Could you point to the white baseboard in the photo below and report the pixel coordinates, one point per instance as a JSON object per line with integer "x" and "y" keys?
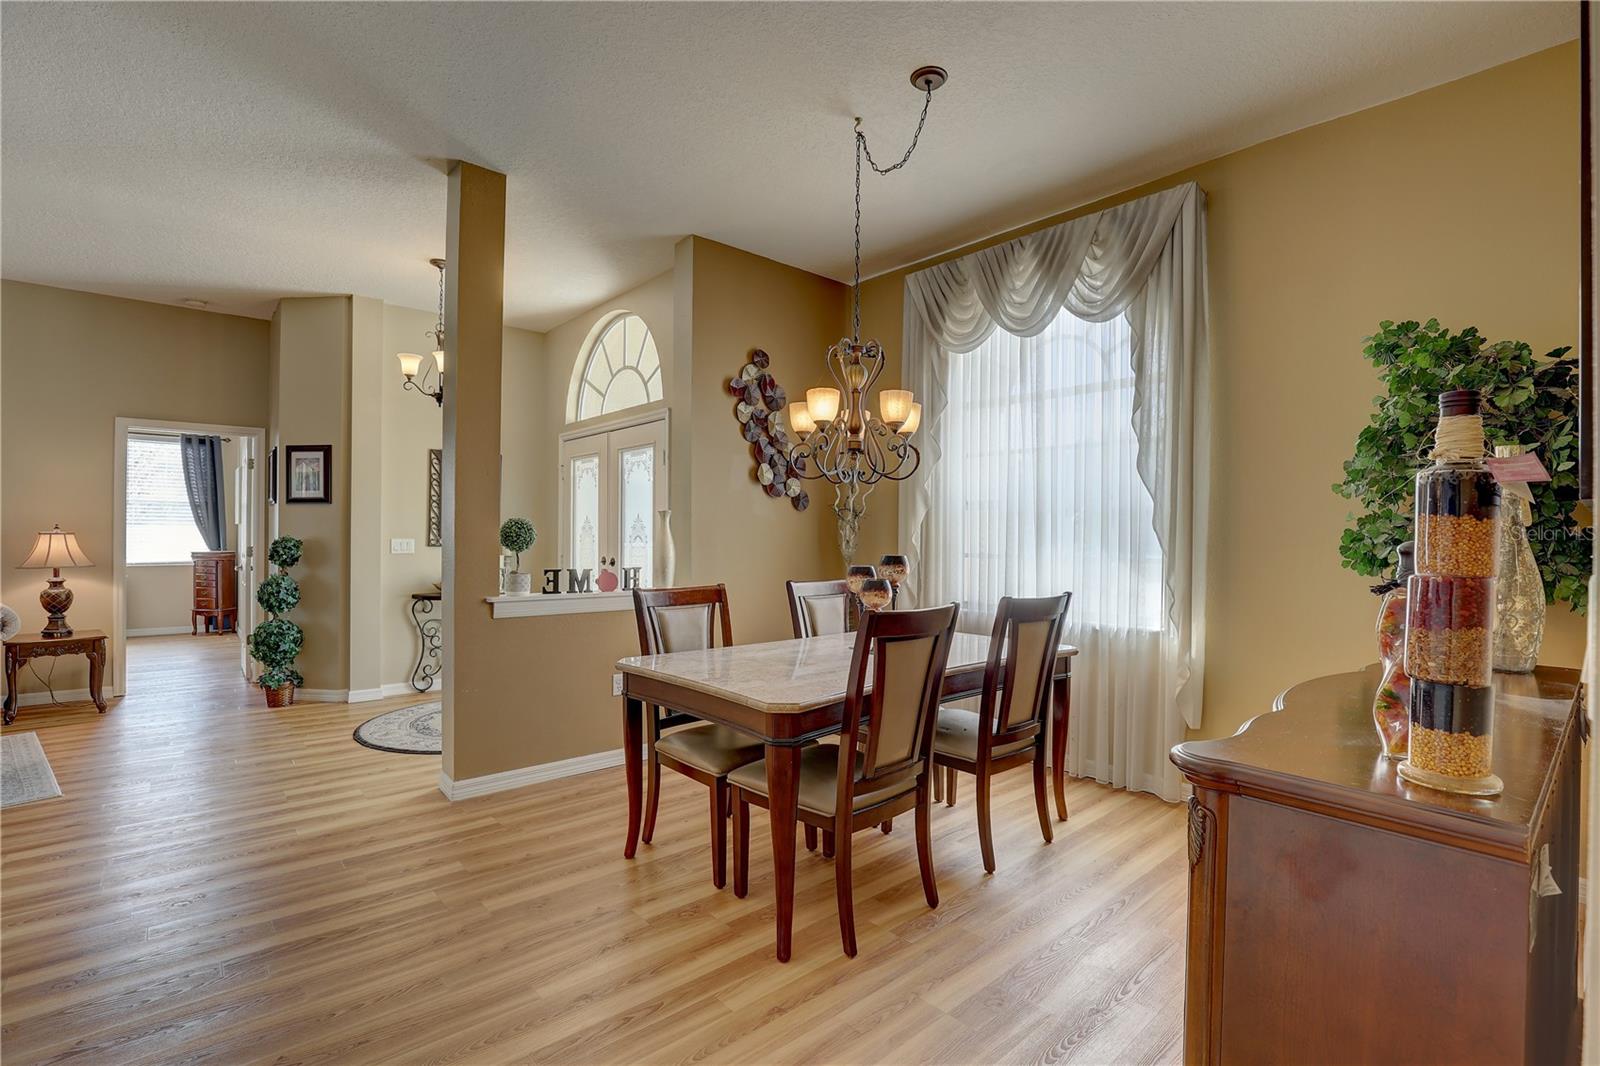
{"x": 527, "y": 775}
{"x": 42, "y": 699}
{"x": 322, "y": 695}
{"x": 160, "y": 631}
{"x": 364, "y": 695}
{"x": 403, "y": 688}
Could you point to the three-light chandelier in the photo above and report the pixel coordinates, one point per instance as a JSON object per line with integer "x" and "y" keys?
{"x": 839, "y": 439}
{"x": 412, "y": 365}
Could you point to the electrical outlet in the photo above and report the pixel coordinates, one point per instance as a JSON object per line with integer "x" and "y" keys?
{"x": 616, "y": 684}
{"x": 402, "y": 546}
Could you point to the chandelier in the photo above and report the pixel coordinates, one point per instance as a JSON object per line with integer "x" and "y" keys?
{"x": 839, "y": 439}
{"x": 410, "y": 364}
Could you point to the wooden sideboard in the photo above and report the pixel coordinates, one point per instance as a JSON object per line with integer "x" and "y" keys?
{"x": 216, "y": 596}
{"x": 1340, "y": 914}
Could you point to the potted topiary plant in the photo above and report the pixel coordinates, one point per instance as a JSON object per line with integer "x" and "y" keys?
{"x": 517, "y": 536}
{"x": 276, "y": 642}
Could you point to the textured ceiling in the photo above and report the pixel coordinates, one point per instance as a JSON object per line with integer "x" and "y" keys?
{"x": 240, "y": 152}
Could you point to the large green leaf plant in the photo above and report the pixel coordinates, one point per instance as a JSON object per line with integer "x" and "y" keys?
{"x": 1527, "y": 399}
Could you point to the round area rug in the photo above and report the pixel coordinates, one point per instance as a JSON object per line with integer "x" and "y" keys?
{"x": 413, "y": 730}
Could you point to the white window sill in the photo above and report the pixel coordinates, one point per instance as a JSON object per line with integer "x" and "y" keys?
{"x": 538, "y": 605}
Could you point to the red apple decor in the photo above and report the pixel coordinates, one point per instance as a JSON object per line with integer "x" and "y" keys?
{"x": 759, "y": 401}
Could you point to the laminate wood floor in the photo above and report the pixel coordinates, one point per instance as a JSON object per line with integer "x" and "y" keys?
{"x": 226, "y": 884}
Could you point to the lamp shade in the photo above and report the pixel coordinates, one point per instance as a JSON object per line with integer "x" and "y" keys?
{"x": 896, "y": 406}
{"x": 823, "y": 404}
{"x": 912, "y": 421}
{"x": 54, "y": 549}
{"x": 409, "y": 364}
{"x": 438, "y": 359}
{"x": 800, "y": 419}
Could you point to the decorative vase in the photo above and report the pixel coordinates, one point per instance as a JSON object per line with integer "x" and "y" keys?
{"x": 1391, "y": 708}
{"x": 1519, "y": 590}
{"x": 519, "y": 584}
{"x": 1450, "y": 609}
{"x": 282, "y": 696}
{"x": 669, "y": 550}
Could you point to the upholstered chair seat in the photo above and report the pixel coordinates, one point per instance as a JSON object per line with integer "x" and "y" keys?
{"x": 819, "y": 782}
{"x": 956, "y": 733}
{"x": 715, "y": 749}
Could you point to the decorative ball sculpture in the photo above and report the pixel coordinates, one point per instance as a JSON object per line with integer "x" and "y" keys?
{"x": 759, "y": 403}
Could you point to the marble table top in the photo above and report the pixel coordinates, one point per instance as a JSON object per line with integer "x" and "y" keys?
{"x": 785, "y": 676}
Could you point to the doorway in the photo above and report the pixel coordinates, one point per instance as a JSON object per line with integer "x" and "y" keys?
{"x": 170, "y": 578}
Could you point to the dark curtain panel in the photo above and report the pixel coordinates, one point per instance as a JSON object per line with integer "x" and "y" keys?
{"x": 202, "y": 477}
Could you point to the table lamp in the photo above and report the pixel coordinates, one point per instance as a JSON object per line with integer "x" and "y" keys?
{"x": 53, "y": 550}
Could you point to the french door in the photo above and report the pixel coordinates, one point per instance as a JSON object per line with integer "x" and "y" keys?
{"x": 613, "y": 484}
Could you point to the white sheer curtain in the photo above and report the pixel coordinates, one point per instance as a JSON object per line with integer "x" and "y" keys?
{"x": 1065, "y": 448}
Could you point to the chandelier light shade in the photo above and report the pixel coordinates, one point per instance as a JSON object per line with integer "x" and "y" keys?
{"x": 912, "y": 421}
{"x": 411, "y": 363}
{"x": 896, "y": 407}
{"x": 837, "y": 437}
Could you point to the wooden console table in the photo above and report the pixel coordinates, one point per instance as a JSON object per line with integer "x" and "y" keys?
{"x": 25, "y": 646}
{"x": 1339, "y": 914}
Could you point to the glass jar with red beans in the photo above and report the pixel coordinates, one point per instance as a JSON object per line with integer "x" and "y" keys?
{"x": 1449, "y": 642}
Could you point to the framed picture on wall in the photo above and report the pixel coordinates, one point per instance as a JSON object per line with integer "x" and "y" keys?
{"x": 272, "y": 475}
{"x": 308, "y": 473}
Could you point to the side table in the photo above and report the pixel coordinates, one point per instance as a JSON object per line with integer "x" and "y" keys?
{"x": 430, "y": 627}
{"x": 25, "y": 646}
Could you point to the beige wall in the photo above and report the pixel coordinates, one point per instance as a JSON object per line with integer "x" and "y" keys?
{"x": 540, "y": 687}
{"x": 411, "y": 425}
{"x": 1456, "y": 203}
{"x": 313, "y": 367}
{"x": 740, "y": 536}
{"x": 71, "y": 363}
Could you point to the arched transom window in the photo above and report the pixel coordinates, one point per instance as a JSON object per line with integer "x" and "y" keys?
{"x": 623, "y": 369}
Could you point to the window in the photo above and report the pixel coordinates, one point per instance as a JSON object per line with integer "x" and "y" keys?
{"x": 612, "y": 485}
{"x": 1037, "y": 491}
{"x": 623, "y": 369}
{"x": 161, "y": 526}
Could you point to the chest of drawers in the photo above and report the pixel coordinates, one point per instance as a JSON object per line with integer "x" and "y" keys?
{"x": 215, "y": 592}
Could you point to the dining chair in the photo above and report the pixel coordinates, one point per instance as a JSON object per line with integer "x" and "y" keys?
{"x": 687, "y": 619}
{"x": 818, "y": 608}
{"x": 1008, "y": 729}
{"x": 883, "y": 761}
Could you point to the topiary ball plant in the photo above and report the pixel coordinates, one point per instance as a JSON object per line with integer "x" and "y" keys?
{"x": 285, "y": 552}
{"x": 276, "y": 643}
{"x": 1527, "y": 399}
{"x": 517, "y": 536}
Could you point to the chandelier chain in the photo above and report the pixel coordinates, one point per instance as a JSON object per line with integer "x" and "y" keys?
{"x": 863, "y": 150}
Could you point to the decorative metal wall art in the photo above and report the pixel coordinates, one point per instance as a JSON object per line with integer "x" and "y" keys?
{"x": 435, "y": 497}
{"x": 758, "y": 403}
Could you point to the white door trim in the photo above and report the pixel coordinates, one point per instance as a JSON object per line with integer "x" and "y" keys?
{"x": 119, "y": 520}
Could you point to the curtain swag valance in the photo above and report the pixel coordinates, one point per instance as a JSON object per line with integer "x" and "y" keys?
{"x": 1144, "y": 260}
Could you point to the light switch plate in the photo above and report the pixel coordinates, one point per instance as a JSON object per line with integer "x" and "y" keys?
{"x": 616, "y": 684}
{"x": 402, "y": 546}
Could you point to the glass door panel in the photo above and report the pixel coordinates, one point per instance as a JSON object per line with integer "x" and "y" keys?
{"x": 637, "y": 529}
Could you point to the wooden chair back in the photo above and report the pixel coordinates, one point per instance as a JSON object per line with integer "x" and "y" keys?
{"x": 681, "y": 619}
{"x": 1022, "y": 660}
{"x": 817, "y": 608}
{"x": 904, "y": 653}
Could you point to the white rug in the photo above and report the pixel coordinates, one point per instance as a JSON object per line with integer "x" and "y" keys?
{"x": 25, "y": 774}
{"x": 414, "y": 730}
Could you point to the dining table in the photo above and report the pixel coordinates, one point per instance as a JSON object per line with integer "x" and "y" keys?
{"x": 789, "y": 693}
